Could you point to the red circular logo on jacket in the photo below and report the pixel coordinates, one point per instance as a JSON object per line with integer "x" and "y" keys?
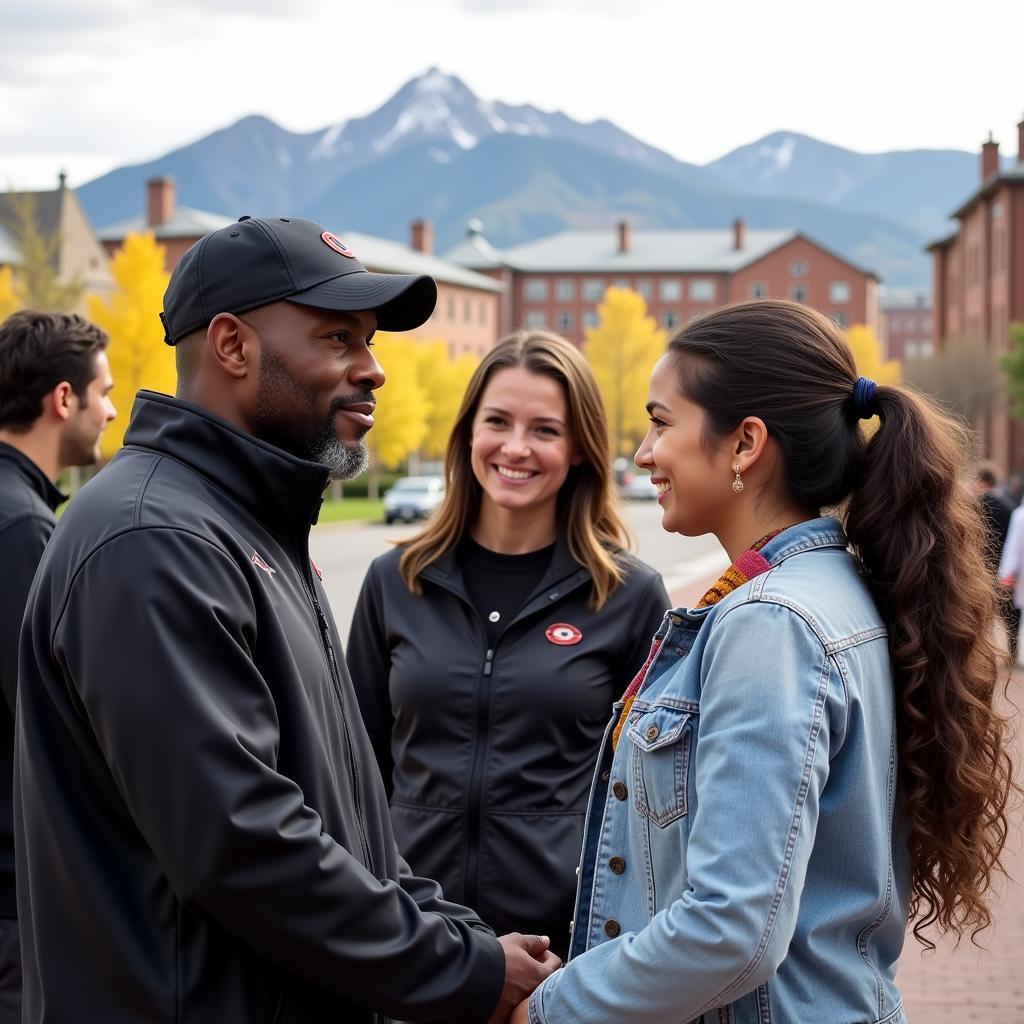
{"x": 337, "y": 245}
{"x": 563, "y": 635}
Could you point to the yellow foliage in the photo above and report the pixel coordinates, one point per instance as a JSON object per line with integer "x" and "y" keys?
{"x": 401, "y": 419}
{"x": 867, "y": 354}
{"x": 10, "y": 297}
{"x": 622, "y": 350}
{"x": 443, "y": 381}
{"x": 131, "y": 316}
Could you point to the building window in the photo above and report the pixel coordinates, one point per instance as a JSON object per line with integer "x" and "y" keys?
{"x": 910, "y": 350}
{"x": 669, "y": 319}
{"x": 758, "y": 290}
{"x": 536, "y": 289}
{"x": 927, "y": 350}
{"x": 565, "y": 290}
{"x": 798, "y": 268}
{"x": 451, "y": 307}
{"x": 702, "y": 290}
{"x": 621, "y": 283}
{"x": 840, "y": 318}
{"x": 593, "y": 290}
{"x": 643, "y": 287}
{"x": 997, "y": 210}
{"x": 798, "y": 292}
{"x": 535, "y": 318}
{"x": 670, "y": 291}
{"x": 839, "y": 291}
{"x": 483, "y": 312}
{"x": 590, "y": 319}
{"x": 565, "y": 321}
{"x": 467, "y": 311}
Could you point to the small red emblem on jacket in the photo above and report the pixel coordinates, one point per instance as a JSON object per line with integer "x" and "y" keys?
{"x": 563, "y": 635}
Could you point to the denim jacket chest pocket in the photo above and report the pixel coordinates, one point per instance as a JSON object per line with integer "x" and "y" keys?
{"x": 661, "y": 741}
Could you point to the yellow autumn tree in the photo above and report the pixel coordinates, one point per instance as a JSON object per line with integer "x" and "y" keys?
{"x": 10, "y": 300}
{"x": 867, "y": 354}
{"x": 131, "y": 316}
{"x": 401, "y": 416}
{"x": 622, "y": 349}
{"x": 443, "y": 381}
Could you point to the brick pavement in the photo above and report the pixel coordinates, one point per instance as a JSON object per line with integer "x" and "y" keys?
{"x": 965, "y": 983}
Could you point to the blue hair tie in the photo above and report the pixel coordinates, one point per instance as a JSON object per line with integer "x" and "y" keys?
{"x": 864, "y": 398}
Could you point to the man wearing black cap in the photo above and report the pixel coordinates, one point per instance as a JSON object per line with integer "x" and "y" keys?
{"x": 202, "y": 834}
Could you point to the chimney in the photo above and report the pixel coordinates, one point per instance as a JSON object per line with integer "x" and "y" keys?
{"x": 161, "y": 201}
{"x": 625, "y": 239}
{"x": 1020, "y": 142}
{"x": 989, "y": 158}
{"x": 739, "y": 230}
{"x": 421, "y": 236}
{"x": 62, "y": 181}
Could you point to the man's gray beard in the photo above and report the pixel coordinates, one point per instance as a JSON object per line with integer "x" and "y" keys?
{"x": 343, "y": 459}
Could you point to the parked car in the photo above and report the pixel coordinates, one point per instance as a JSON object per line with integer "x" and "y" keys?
{"x": 413, "y": 497}
{"x": 638, "y": 487}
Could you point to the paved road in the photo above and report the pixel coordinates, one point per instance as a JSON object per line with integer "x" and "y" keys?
{"x": 344, "y": 551}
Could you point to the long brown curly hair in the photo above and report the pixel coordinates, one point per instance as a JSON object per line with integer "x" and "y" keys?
{"x": 920, "y": 538}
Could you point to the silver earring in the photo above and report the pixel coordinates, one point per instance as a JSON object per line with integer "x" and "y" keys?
{"x": 737, "y": 484}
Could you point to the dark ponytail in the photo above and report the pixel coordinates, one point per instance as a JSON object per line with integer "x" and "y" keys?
{"x": 919, "y": 536}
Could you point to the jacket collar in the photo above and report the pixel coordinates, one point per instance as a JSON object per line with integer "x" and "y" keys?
{"x": 281, "y": 491}
{"x": 36, "y": 479}
{"x": 824, "y": 532}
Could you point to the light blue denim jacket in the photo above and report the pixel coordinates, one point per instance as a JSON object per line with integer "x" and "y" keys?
{"x": 745, "y": 857}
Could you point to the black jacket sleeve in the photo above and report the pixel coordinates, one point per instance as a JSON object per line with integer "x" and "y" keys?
{"x": 21, "y": 548}
{"x": 651, "y": 604}
{"x": 161, "y": 659}
{"x": 369, "y": 664}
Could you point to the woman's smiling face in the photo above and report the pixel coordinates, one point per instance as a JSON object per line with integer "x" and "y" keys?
{"x": 522, "y": 448}
{"x": 694, "y": 480}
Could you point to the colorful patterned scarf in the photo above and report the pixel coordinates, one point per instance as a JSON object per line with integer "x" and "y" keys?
{"x": 748, "y": 566}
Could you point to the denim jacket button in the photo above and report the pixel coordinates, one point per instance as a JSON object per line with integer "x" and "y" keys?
{"x": 619, "y": 791}
{"x": 605, "y": 775}
{"x": 652, "y": 732}
{"x": 612, "y": 928}
{"x": 617, "y": 864}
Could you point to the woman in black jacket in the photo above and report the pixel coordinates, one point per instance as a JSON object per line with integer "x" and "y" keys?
{"x": 488, "y": 650}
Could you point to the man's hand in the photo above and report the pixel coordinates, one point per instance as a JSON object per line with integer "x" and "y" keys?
{"x": 528, "y": 961}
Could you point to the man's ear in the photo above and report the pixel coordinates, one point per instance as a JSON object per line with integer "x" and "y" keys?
{"x": 232, "y": 344}
{"x": 61, "y": 402}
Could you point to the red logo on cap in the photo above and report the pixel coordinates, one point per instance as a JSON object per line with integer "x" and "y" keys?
{"x": 563, "y": 635}
{"x": 334, "y": 242}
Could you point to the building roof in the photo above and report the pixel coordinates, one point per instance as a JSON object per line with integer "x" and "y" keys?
{"x": 48, "y": 207}
{"x": 186, "y": 223}
{"x": 1012, "y": 175}
{"x": 384, "y": 255}
{"x": 656, "y": 251}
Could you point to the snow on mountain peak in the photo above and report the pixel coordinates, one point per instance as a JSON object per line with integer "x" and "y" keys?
{"x": 778, "y": 156}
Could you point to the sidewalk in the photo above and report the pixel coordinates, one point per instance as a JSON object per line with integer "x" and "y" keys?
{"x": 968, "y": 983}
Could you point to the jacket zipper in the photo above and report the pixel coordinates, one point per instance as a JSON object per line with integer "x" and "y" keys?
{"x": 325, "y": 638}
{"x": 474, "y": 798}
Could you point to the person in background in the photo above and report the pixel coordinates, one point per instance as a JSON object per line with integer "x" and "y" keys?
{"x": 997, "y": 511}
{"x": 487, "y": 650}
{"x": 1011, "y": 576}
{"x": 813, "y": 755}
{"x": 54, "y": 405}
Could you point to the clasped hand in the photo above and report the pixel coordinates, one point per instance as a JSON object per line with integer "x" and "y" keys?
{"x": 528, "y": 961}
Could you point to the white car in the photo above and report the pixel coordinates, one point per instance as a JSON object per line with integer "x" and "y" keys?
{"x": 638, "y": 487}
{"x": 413, "y": 497}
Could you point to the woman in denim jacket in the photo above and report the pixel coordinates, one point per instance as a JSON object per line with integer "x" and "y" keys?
{"x": 811, "y": 756}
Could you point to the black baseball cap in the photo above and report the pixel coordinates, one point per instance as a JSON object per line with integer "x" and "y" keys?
{"x": 258, "y": 261}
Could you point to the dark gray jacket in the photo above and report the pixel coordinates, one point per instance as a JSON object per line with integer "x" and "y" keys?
{"x": 28, "y": 500}
{"x": 488, "y": 755}
{"x": 202, "y": 834}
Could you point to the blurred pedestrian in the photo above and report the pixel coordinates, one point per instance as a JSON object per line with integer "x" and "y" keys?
{"x": 54, "y": 404}
{"x": 487, "y": 650}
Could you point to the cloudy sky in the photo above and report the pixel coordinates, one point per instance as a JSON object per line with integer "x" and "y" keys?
{"x": 88, "y": 85}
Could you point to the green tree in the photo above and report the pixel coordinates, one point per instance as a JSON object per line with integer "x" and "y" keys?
{"x": 401, "y": 419}
{"x": 444, "y": 381}
{"x": 1013, "y": 369}
{"x": 37, "y": 284}
{"x": 131, "y": 316}
{"x": 622, "y": 349}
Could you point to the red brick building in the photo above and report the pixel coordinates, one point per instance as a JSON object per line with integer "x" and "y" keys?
{"x": 906, "y": 326}
{"x": 558, "y": 281}
{"x": 978, "y": 281}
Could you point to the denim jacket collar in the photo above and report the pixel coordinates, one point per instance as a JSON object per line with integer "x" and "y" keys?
{"x": 824, "y": 532}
